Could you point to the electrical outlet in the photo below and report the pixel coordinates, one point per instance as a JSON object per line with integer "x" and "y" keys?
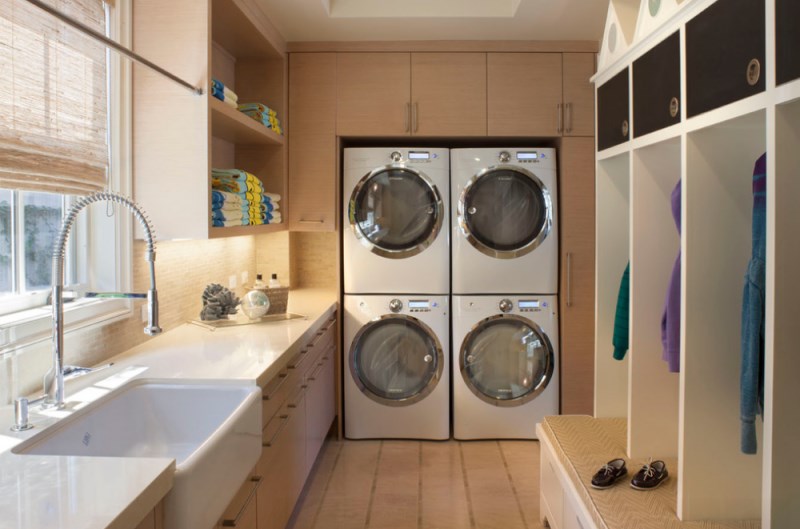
{"x": 232, "y": 281}
{"x": 245, "y": 277}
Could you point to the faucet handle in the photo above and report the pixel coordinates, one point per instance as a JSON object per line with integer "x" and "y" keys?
{"x": 21, "y": 415}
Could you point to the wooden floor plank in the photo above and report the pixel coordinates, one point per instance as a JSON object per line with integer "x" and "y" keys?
{"x": 395, "y": 501}
{"x": 522, "y": 463}
{"x": 444, "y": 495}
{"x": 346, "y": 503}
{"x": 308, "y": 506}
{"x": 490, "y": 492}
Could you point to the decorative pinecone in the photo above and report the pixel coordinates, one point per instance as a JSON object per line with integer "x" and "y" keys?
{"x": 218, "y": 303}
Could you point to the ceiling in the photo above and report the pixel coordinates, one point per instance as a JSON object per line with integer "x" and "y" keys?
{"x": 377, "y": 20}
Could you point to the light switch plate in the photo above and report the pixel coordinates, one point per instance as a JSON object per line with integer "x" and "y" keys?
{"x": 232, "y": 281}
{"x": 245, "y": 277}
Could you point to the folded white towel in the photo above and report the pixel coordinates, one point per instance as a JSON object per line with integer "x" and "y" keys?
{"x": 232, "y": 199}
{"x": 273, "y": 197}
{"x": 230, "y": 94}
{"x": 231, "y": 103}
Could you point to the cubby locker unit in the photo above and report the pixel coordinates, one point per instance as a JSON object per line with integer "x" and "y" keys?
{"x": 619, "y": 31}
{"x": 613, "y": 251}
{"x": 653, "y": 14}
{"x": 180, "y": 136}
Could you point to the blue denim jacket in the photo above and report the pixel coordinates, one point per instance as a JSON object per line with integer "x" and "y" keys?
{"x": 752, "y": 372}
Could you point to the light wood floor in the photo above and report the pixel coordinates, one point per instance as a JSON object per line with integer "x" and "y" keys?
{"x": 422, "y": 485}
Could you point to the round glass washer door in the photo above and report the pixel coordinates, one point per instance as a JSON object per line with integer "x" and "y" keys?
{"x": 396, "y": 211}
{"x": 505, "y": 211}
{"x": 396, "y": 360}
{"x": 506, "y": 360}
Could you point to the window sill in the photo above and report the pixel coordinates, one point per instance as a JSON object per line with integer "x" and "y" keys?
{"x": 29, "y": 327}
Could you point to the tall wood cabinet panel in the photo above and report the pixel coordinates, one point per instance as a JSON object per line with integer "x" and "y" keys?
{"x": 578, "y": 104}
{"x": 524, "y": 94}
{"x": 448, "y": 93}
{"x": 577, "y": 229}
{"x": 373, "y": 94}
{"x": 725, "y": 51}
{"x": 312, "y": 142}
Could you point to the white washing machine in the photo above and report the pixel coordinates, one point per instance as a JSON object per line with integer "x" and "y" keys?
{"x": 504, "y": 222}
{"x": 505, "y": 365}
{"x": 395, "y": 220}
{"x": 396, "y": 367}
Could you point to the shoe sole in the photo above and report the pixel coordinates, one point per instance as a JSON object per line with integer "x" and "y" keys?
{"x": 650, "y": 488}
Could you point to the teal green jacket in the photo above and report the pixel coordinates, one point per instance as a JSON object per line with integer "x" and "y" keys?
{"x": 620, "y": 338}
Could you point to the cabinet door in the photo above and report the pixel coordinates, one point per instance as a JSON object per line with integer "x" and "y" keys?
{"x": 448, "y": 94}
{"x": 274, "y": 467}
{"x": 524, "y": 94}
{"x": 613, "y": 121}
{"x": 657, "y": 87}
{"x": 320, "y": 404}
{"x": 787, "y": 30}
{"x": 312, "y": 142}
{"x": 725, "y": 46}
{"x": 312, "y": 182}
{"x": 551, "y": 495}
{"x": 373, "y": 92}
{"x": 578, "y": 107}
{"x": 241, "y": 513}
{"x": 577, "y": 228}
{"x": 296, "y": 432}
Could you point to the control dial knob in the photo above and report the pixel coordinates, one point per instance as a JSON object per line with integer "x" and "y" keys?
{"x": 395, "y": 305}
{"x": 506, "y": 305}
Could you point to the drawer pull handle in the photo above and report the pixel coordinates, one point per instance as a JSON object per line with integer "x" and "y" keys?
{"x": 298, "y": 360}
{"x": 569, "y": 279}
{"x": 753, "y": 72}
{"x": 568, "y": 117}
{"x": 625, "y": 128}
{"x": 299, "y": 398}
{"x": 313, "y": 376}
{"x": 312, "y": 221}
{"x": 406, "y": 118}
{"x": 283, "y": 377}
{"x": 674, "y": 106}
{"x": 271, "y": 442}
{"x": 559, "y": 118}
{"x": 256, "y": 480}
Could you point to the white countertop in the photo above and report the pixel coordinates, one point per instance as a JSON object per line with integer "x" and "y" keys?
{"x": 67, "y": 492}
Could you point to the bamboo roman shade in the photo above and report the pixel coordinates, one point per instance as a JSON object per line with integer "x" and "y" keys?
{"x": 53, "y": 99}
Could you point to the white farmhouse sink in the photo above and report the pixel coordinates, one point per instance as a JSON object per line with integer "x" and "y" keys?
{"x": 211, "y": 429}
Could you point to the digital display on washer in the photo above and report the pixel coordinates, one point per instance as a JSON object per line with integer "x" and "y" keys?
{"x": 419, "y": 155}
{"x": 419, "y": 304}
{"x": 524, "y": 156}
{"x": 529, "y": 304}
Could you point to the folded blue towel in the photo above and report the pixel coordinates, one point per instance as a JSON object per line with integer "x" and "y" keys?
{"x": 228, "y": 223}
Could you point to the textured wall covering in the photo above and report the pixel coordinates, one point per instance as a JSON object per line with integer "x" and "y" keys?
{"x": 273, "y": 257}
{"x": 315, "y": 259}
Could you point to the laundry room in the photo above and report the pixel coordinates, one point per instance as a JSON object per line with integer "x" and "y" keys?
{"x": 364, "y": 264}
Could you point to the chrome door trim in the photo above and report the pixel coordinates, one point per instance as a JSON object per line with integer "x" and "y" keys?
{"x": 527, "y": 397}
{"x": 507, "y": 254}
{"x": 437, "y": 376}
{"x": 386, "y": 252}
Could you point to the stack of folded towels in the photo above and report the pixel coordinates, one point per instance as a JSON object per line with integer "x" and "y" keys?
{"x": 238, "y": 199}
{"x": 223, "y": 93}
{"x": 263, "y": 114}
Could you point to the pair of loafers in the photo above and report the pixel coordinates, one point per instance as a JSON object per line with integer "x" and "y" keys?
{"x": 649, "y": 476}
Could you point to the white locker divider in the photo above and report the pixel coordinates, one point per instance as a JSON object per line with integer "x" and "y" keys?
{"x": 655, "y": 13}
{"x": 619, "y": 31}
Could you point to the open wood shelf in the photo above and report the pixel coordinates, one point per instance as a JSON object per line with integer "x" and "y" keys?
{"x": 236, "y": 231}
{"x": 234, "y": 30}
{"x": 236, "y": 127}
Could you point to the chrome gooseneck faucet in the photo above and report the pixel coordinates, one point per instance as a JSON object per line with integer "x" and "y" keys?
{"x": 54, "y": 379}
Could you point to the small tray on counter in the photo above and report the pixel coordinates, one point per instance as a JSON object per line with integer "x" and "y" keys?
{"x": 241, "y": 319}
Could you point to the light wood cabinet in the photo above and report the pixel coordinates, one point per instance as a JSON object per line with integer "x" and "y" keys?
{"x": 373, "y": 94}
{"x": 524, "y": 94}
{"x": 242, "y": 511}
{"x": 578, "y": 104}
{"x": 577, "y": 229}
{"x": 418, "y": 94}
{"x": 448, "y": 94}
{"x": 184, "y": 135}
{"x": 312, "y": 142}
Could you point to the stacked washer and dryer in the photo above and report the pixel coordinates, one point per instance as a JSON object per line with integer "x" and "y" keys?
{"x": 505, "y": 284}
{"x": 396, "y": 283}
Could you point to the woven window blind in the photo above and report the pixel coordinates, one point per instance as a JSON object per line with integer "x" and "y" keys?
{"x": 53, "y": 102}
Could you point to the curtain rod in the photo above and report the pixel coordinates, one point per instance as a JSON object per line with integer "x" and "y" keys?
{"x": 111, "y": 44}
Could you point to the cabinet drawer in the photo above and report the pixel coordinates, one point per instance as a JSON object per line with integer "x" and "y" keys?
{"x": 241, "y": 513}
{"x": 657, "y": 87}
{"x": 613, "y": 121}
{"x": 273, "y": 395}
{"x": 787, "y": 35}
{"x": 321, "y": 343}
{"x": 552, "y": 495}
{"x": 725, "y": 54}
{"x": 572, "y": 517}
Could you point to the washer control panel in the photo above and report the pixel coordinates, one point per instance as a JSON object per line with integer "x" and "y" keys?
{"x": 528, "y": 156}
{"x": 413, "y": 157}
{"x": 531, "y": 305}
{"x": 419, "y": 305}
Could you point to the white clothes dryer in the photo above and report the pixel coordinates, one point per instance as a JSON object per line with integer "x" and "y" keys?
{"x": 396, "y": 367}
{"x": 396, "y": 211}
{"x": 505, "y": 365}
{"x": 504, "y": 221}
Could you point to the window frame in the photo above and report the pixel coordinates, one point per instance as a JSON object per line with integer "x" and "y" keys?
{"x": 30, "y": 325}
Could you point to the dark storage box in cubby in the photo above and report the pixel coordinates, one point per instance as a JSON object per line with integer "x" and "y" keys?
{"x": 787, "y": 45}
{"x": 657, "y": 87}
{"x": 613, "y": 126}
{"x": 725, "y": 54}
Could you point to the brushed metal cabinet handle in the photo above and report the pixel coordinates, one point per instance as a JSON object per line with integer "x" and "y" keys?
{"x": 568, "y": 119}
{"x": 415, "y": 116}
{"x": 559, "y": 118}
{"x": 569, "y": 279}
{"x": 311, "y": 221}
{"x": 407, "y": 118}
{"x": 256, "y": 480}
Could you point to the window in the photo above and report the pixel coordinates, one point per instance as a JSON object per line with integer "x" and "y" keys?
{"x": 31, "y": 208}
